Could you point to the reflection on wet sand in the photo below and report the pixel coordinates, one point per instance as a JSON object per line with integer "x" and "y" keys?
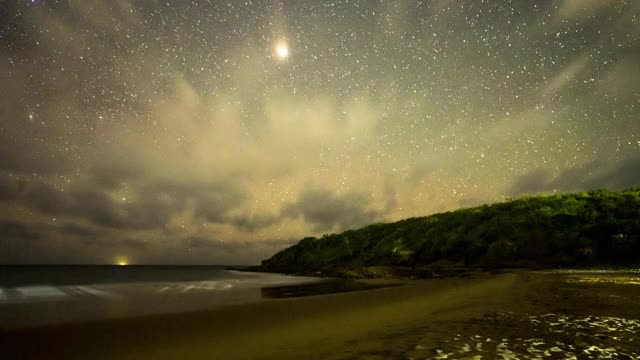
{"x": 548, "y": 336}
{"x": 621, "y": 280}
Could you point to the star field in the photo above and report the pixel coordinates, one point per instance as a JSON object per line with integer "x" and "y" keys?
{"x": 221, "y": 131}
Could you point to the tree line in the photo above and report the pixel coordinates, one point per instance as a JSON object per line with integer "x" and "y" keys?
{"x": 579, "y": 229}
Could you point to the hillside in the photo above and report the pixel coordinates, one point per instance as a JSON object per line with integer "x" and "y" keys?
{"x": 579, "y": 229}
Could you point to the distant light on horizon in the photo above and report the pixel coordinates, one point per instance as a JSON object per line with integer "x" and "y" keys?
{"x": 122, "y": 261}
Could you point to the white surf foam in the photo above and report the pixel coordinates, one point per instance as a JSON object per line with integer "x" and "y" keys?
{"x": 40, "y": 292}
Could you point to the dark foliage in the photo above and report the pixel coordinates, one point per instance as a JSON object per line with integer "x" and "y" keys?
{"x": 590, "y": 228}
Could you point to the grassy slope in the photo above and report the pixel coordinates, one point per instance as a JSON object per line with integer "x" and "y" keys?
{"x": 598, "y": 227}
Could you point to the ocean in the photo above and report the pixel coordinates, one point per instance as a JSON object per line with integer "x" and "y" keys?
{"x": 32, "y": 296}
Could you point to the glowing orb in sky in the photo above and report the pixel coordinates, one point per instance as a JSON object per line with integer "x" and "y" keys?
{"x": 122, "y": 261}
{"x": 282, "y": 50}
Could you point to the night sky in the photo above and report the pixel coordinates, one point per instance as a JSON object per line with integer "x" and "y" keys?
{"x": 197, "y": 132}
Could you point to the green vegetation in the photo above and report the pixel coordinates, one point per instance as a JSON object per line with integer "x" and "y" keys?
{"x": 582, "y": 229}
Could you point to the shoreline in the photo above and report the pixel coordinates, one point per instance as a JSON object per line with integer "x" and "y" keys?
{"x": 430, "y": 271}
{"x": 38, "y": 305}
{"x": 279, "y": 328}
{"x": 415, "y": 320}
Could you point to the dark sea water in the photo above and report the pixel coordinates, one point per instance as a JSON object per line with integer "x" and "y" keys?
{"x": 26, "y": 275}
{"x": 44, "y": 295}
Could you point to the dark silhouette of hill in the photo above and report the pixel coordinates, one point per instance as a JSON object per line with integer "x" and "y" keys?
{"x": 579, "y": 229}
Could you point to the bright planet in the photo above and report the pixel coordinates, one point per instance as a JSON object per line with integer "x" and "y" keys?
{"x": 282, "y": 50}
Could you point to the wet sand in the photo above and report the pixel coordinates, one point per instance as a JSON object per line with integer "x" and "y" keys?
{"x": 511, "y": 315}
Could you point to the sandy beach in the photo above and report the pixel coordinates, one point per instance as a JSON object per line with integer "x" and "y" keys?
{"x": 482, "y": 315}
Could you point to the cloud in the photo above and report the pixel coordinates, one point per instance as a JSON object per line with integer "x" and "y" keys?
{"x": 254, "y": 222}
{"x": 566, "y": 77}
{"x": 203, "y": 243}
{"x": 151, "y": 207}
{"x": 8, "y": 187}
{"x": 31, "y": 241}
{"x": 72, "y": 229}
{"x": 619, "y": 82}
{"x": 328, "y": 211}
{"x": 17, "y": 231}
{"x": 535, "y": 181}
{"x": 595, "y": 175}
{"x": 322, "y": 210}
{"x": 571, "y": 10}
{"x": 210, "y": 201}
